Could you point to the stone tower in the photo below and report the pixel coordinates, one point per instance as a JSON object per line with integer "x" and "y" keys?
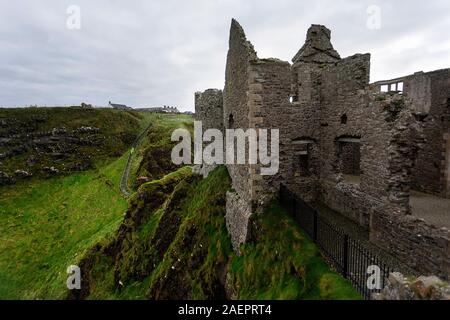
{"x": 308, "y": 64}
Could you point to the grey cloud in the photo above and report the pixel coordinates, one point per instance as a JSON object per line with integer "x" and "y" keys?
{"x": 146, "y": 53}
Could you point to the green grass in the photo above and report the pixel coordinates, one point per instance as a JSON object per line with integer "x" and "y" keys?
{"x": 281, "y": 264}
{"x": 203, "y": 213}
{"x": 285, "y": 264}
{"x": 45, "y": 226}
{"x": 201, "y": 236}
{"x": 153, "y": 158}
{"x": 45, "y": 119}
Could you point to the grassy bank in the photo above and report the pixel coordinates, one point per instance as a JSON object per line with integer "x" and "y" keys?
{"x": 33, "y": 139}
{"x": 173, "y": 244}
{"x": 283, "y": 263}
{"x": 168, "y": 242}
{"x": 153, "y": 160}
{"x": 45, "y": 226}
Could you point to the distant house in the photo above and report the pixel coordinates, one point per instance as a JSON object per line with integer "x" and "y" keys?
{"x": 170, "y": 109}
{"x": 119, "y": 106}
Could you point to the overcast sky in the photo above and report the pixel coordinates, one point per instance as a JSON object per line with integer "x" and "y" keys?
{"x": 148, "y": 53}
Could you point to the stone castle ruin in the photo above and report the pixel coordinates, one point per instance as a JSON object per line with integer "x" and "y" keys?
{"x": 378, "y": 154}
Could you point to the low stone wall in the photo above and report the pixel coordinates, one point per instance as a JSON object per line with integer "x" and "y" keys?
{"x": 422, "y": 246}
{"x": 421, "y": 288}
{"x": 349, "y": 200}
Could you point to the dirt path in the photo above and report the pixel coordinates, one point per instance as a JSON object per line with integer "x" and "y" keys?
{"x": 126, "y": 172}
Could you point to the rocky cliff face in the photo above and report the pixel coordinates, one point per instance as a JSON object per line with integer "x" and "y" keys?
{"x": 46, "y": 142}
{"x": 172, "y": 243}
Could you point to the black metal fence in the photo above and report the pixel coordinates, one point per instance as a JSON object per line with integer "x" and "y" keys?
{"x": 346, "y": 255}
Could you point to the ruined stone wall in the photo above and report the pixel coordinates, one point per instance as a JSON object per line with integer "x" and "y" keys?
{"x": 269, "y": 90}
{"x": 306, "y": 80}
{"x": 447, "y": 164}
{"x": 422, "y": 246}
{"x": 299, "y": 127}
{"x": 238, "y": 213}
{"x": 430, "y": 93}
{"x": 235, "y": 100}
{"x": 333, "y": 107}
{"x": 342, "y": 94}
{"x": 315, "y": 124}
{"x": 236, "y": 115}
{"x": 350, "y": 111}
{"x": 418, "y": 88}
{"x": 209, "y": 108}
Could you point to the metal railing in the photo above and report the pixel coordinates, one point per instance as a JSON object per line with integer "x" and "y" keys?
{"x": 346, "y": 255}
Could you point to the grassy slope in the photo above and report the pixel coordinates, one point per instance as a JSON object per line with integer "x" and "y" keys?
{"x": 117, "y": 131}
{"x": 71, "y": 118}
{"x": 284, "y": 264}
{"x": 281, "y": 264}
{"x": 45, "y": 226}
{"x": 198, "y": 244}
{"x": 154, "y": 156}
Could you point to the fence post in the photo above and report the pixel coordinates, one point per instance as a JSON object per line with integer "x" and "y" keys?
{"x": 345, "y": 263}
{"x": 315, "y": 226}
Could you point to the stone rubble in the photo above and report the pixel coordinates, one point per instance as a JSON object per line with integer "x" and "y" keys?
{"x": 400, "y": 287}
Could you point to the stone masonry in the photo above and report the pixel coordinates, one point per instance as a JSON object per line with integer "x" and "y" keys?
{"x": 209, "y": 110}
{"x": 421, "y": 288}
{"x": 342, "y": 141}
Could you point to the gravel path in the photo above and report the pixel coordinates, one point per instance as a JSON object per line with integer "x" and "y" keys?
{"x": 432, "y": 209}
